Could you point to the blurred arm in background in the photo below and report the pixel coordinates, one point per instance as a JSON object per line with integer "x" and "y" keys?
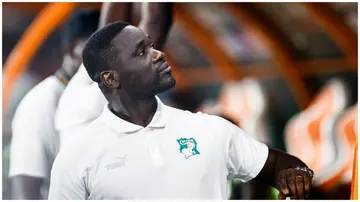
{"x": 114, "y": 11}
{"x": 156, "y": 18}
{"x": 156, "y": 21}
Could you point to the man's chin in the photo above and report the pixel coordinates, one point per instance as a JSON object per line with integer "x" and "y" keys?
{"x": 172, "y": 82}
{"x": 167, "y": 85}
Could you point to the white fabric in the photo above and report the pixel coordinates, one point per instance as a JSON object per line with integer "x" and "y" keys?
{"x": 115, "y": 159}
{"x": 35, "y": 142}
{"x": 80, "y": 103}
{"x": 34, "y": 139}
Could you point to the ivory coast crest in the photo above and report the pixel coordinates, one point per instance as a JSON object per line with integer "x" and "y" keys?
{"x": 188, "y": 147}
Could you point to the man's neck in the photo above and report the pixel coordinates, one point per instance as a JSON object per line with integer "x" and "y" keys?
{"x": 137, "y": 111}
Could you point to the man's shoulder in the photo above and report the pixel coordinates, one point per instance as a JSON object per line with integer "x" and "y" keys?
{"x": 87, "y": 136}
{"x": 77, "y": 147}
{"x": 84, "y": 143}
{"x": 198, "y": 117}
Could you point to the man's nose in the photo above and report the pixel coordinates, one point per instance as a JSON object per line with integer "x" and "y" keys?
{"x": 157, "y": 55}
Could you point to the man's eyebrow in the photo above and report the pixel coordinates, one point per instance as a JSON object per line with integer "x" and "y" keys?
{"x": 139, "y": 44}
{"x": 149, "y": 39}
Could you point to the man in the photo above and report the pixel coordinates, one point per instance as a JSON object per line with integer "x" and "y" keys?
{"x": 74, "y": 112}
{"x": 35, "y": 142}
{"x": 137, "y": 137}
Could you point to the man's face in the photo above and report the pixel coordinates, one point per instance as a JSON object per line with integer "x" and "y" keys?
{"x": 142, "y": 69}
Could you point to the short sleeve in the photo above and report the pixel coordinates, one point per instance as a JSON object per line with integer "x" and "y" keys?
{"x": 27, "y": 147}
{"x": 246, "y": 156}
{"x": 67, "y": 180}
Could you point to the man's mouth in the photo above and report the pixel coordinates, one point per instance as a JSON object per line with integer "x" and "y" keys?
{"x": 164, "y": 68}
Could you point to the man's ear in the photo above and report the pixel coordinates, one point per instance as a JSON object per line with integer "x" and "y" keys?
{"x": 110, "y": 79}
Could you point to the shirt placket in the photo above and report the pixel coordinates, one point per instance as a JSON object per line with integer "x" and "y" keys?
{"x": 153, "y": 148}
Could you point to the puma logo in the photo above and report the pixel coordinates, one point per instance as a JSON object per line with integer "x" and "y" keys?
{"x": 119, "y": 163}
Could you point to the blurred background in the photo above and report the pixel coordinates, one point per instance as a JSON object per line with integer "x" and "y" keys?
{"x": 284, "y": 72}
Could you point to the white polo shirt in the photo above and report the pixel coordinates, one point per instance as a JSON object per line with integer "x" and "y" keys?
{"x": 35, "y": 142}
{"x": 80, "y": 104}
{"x": 179, "y": 155}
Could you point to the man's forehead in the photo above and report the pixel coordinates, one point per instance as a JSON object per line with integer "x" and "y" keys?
{"x": 128, "y": 36}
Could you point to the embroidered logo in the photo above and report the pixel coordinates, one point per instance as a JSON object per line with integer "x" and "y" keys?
{"x": 119, "y": 163}
{"x": 188, "y": 147}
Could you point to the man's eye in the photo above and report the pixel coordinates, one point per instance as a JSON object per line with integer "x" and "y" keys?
{"x": 141, "y": 53}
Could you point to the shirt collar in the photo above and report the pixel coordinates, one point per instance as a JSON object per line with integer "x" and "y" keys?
{"x": 122, "y": 126}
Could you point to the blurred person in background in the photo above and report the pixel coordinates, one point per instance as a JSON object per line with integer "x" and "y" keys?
{"x": 75, "y": 111}
{"x": 128, "y": 133}
{"x": 35, "y": 142}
